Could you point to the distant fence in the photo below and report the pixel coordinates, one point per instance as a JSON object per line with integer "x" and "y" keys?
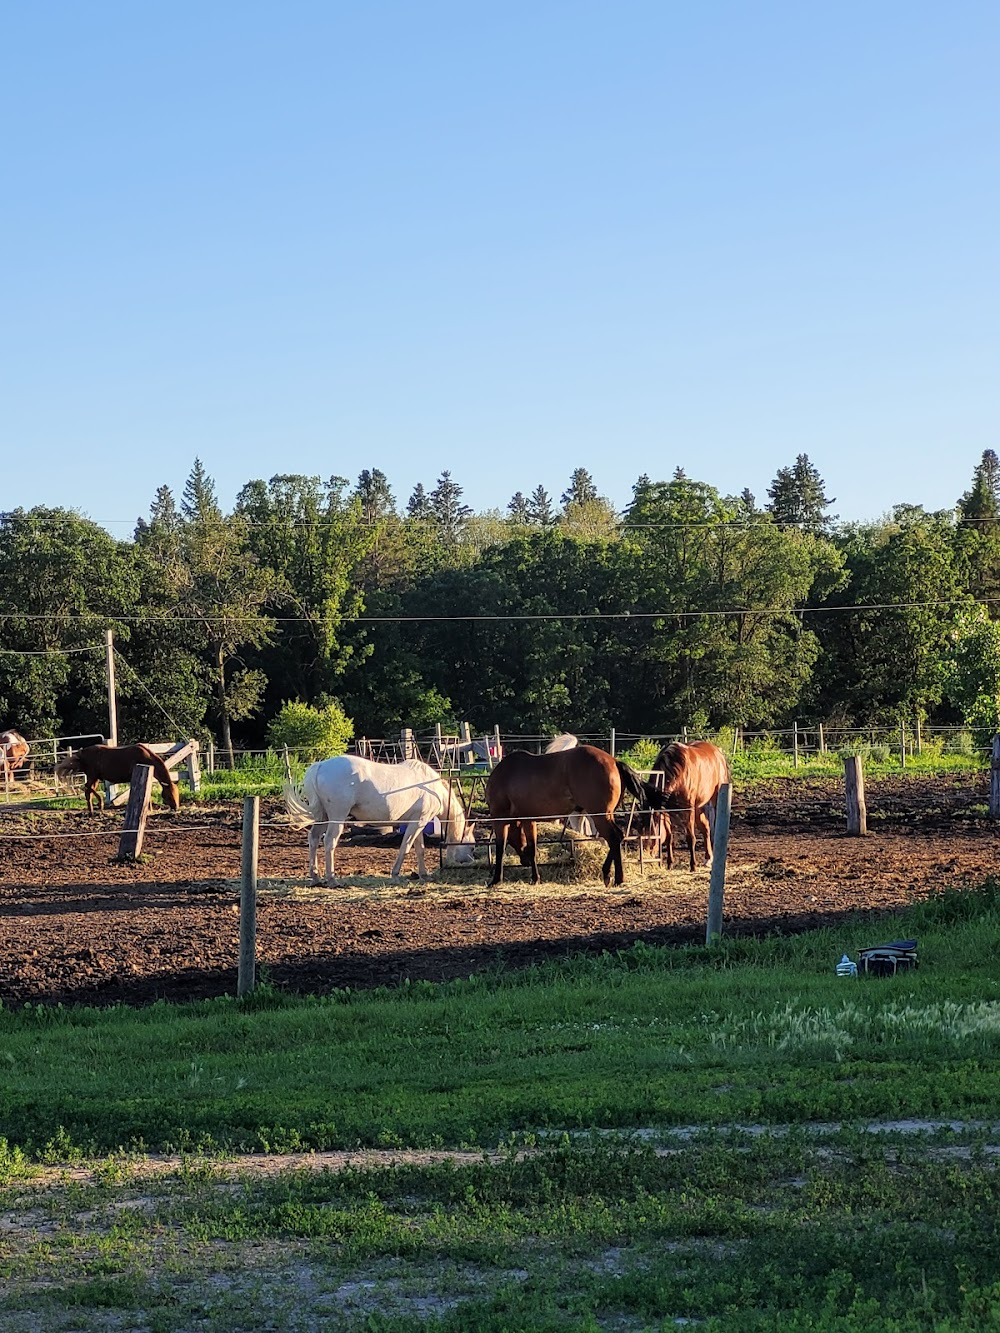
{"x": 470, "y": 749}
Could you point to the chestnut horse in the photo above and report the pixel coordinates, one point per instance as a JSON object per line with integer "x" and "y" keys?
{"x": 692, "y": 776}
{"x": 114, "y": 763}
{"x": 524, "y": 788}
{"x": 14, "y": 749}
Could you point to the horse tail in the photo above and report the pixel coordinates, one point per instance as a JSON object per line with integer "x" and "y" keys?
{"x": 563, "y": 742}
{"x": 645, "y": 791}
{"x": 302, "y": 802}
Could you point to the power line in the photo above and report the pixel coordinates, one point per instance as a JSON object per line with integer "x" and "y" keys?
{"x": 49, "y": 652}
{"x": 481, "y": 618}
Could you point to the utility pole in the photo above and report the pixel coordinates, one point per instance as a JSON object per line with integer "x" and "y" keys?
{"x": 109, "y": 657}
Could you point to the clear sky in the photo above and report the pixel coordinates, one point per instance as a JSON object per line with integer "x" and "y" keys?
{"x": 503, "y": 239}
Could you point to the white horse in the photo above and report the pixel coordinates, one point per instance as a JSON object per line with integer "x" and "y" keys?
{"x": 350, "y": 788}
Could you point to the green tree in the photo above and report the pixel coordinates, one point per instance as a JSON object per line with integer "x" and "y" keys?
{"x": 972, "y": 673}
{"x": 798, "y": 498}
{"x": 980, "y": 505}
{"x": 374, "y": 495}
{"x": 447, "y": 510}
{"x": 419, "y": 504}
{"x": 313, "y": 538}
{"x": 63, "y": 581}
{"x": 581, "y": 489}
{"x": 311, "y": 733}
{"x": 542, "y": 512}
{"x": 519, "y": 508}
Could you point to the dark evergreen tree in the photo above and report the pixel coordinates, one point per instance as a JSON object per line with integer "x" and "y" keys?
{"x": 375, "y": 496}
{"x": 798, "y": 498}
{"x": 419, "y": 504}
{"x": 541, "y": 507}
{"x": 980, "y": 505}
{"x": 581, "y": 488}
{"x": 519, "y": 508}
{"x": 199, "y": 500}
{"x": 447, "y": 509}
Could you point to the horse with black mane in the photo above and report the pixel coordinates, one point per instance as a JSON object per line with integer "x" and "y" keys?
{"x": 692, "y": 776}
{"x": 576, "y": 781}
{"x": 114, "y": 763}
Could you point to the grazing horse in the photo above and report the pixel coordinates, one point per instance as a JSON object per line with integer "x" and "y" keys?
{"x": 114, "y": 763}
{"x": 692, "y": 776}
{"x": 581, "y": 780}
{"x": 14, "y": 749}
{"x": 348, "y": 787}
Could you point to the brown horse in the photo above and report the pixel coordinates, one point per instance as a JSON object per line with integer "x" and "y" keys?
{"x": 113, "y": 763}
{"x": 524, "y": 788}
{"x": 692, "y": 776}
{"x": 14, "y": 749}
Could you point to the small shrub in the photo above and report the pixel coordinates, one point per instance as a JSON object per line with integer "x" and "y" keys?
{"x": 960, "y": 742}
{"x": 311, "y": 733}
{"x": 642, "y": 755}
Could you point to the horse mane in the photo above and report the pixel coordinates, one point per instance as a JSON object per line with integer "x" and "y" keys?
{"x": 68, "y": 764}
{"x": 565, "y": 741}
{"x": 670, "y": 762}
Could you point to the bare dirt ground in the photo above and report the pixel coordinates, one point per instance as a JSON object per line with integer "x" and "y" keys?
{"x": 77, "y": 927}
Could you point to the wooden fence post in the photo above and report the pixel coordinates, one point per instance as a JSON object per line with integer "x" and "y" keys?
{"x": 919, "y": 741}
{"x": 136, "y": 811}
{"x": 497, "y": 747}
{"x": 854, "y": 784}
{"x": 822, "y": 740}
{"x": 720, "y": 850}
{"x": 995, "y": 779}
{"x": 211, "y": 756}
{"x": 795, "y": 743}
{"x": 611, "y": 744}
{"x": 902, "y": 744}
{"x": 439, "y": 744}
{"x": 246, "y": 976}
{"x": 466, "y": 754}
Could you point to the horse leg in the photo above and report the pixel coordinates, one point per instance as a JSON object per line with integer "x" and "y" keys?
{"x": 315, "y": 834}
{"x": 668, "y": 838}
{"x": 411, "y": 834}
{"x": 529, "y": 855}
{"x": 706, "y": 828}
{"x": 500, "y": 828}
{"x": 691, "y": 834}
{"x": 334, "y": 829}
{"x": 612, "y": 835}
{"x": 90, "y": 792}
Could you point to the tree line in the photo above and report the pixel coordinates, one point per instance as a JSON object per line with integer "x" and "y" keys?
{"x": 689, "y": 608}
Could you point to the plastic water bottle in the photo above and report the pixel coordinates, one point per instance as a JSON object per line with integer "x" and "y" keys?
{"x": 846, "y": 967}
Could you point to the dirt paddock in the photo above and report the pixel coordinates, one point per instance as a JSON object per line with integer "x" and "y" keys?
{"x": 76, "y": 927}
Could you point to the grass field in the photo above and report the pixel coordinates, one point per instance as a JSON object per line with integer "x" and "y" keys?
{"x": 656, "y": 1136}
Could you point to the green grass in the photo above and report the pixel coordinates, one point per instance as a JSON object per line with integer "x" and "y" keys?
{"x": 597, "y": 1210}
{"x": 744, "y": 1030}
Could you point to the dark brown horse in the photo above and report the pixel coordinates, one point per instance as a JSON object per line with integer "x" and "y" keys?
{"x": 692, "y": 776}
{"x": 524, "y": 788}
{"x": 114, "y": 763}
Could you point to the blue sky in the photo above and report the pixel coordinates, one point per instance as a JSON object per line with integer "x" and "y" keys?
{"x": 504, "y": 240}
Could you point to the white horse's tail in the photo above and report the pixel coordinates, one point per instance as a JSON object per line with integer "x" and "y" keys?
{"x": 302, "y": 802}
{"x": 563, "y": 742}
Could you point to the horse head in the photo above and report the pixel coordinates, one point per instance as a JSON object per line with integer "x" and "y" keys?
{"x": 463, "y": 851}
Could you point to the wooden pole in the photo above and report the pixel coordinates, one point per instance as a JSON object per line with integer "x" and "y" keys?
{"x": 496, "y": 744}
{"x": 134, "y": 831}
{"x": 795, "y": 743}
{"x": 211, "y": 755}
{"x": 919, "y": 741}
{"x": 902, "y": 744}
{"x": 720, "y": 850}
{"x": 247, "y": 978}
{"x": 109, "y": 661}
{"x": 822, "y": 740}
{"x": 995, "y": 779}
{"x": 684, "y": 735}
{"x": 439, "y": 744}
{"x": 611, "y": 744}
{"x": 467, "y": 754}
{"x": 854, "y": 784}
{"x": 406, "y": 742}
